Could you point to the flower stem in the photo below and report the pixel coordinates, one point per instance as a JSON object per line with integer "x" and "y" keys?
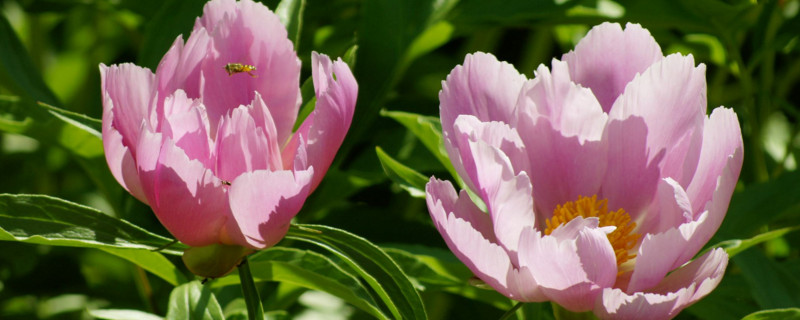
{"x": 511, "y": 311}
{"x": 251, "y": 298}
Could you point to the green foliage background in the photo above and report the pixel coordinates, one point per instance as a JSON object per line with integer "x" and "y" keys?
{"x": 400, "y": 51}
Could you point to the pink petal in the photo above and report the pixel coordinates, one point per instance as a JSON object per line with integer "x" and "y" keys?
{"x": 630, "y": 180}
{"x": 250, "y": 34}
{"x": 679, "y": 290}
{"x": 507, "y": 195}
{"x": 214, "y": 12}
{"x": 266, "y": 124}
{"x": 180, "y": 67}
{"x": 264, "y": 202}
{"x": 670, "y": 208}
{"x": 711, "y": 266}
{"x": 670, "y": 97}
{"x": 717, "y": 207}
{"x": 607, "y": 58}
{"x": 187, "y": 124}
{"x": 562, "y": 168}
{"x": 128, "y": 92}
{"x": 469, "y": 236}
{"x": 120, "y": 159}
{"x": 573, "y": 264}
{"x": 571, "y": 109}
{"x": 186, "y": 197}
{"x": 660, "y": 253}
{"x": 325, "y": 128}
{"x": 468, "y": 128}
{"x": 722, "y": 139}
{"x": 483, "y": 87}
{"x": 615, "y": 304}
{"x": 241, "y": 147}
{"x": 523, "y": 287}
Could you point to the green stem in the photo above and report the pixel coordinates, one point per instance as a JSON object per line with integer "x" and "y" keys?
{"x": 251, "y": 298}
{"x": 511, "y": 311}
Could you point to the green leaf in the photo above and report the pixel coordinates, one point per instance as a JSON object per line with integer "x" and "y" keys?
{"x": 12, "y": 117}
{"x": 429, "y": 131}
{"x": 775, "y": 314}
{"x": 77, "y": 133}
{"x": 290, "y": 12}
{"x": 771, "y": 285}
{"x": 709, "y": 16}
{"x": 728, "y": 301}
{"x": 350, "y": 56}
{"x": 438, "y": 269}
{"x": 386, "y": 32}
{"x": 735, "y": 246}
{"x": 122, "y": 314}
{"x": 433, "y": 37}
{"x": 760, "y": 204}
{"x": 193, "y": 301}
{"x": 309, "y": 270}
{"x": 42, "y": 219}
{"x": 81, "y": 121}
{"x": 407, "y": 178}
{"x": 380, "y": 272}
{"x": 151, "y": 261}
{"x": 17, "y": 72}
{"x": 511, "y": 12}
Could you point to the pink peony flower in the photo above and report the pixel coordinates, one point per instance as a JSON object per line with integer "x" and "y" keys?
{"x": 207, "y": 140}
{"x": 602, "y": 177}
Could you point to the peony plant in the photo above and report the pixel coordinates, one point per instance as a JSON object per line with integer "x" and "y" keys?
{"x": 598, "y": 180}
{"x": 206, "y": 141}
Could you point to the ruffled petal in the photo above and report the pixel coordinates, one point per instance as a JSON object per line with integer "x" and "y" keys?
{"x": 266, "y": 124}
{"x": 186, "y": 197}
{"x": 497, "y": 135}
{"x": 722, "y": 140}
{"x": 507, "y": 195}
{"x": 677, "y": 291}
{"x": 248, "y": 33}
{"x": 187, "y": 124}
{"x": 670, "y": 208}
{"x": 607, "y": 58}
{"x": 241, "y": 147}
{"x": 660, "y": 253}
{"x": 573, "y": 264}
{"x": 128, "y": 93}
{"x": 120, "y": 159}
{"x": 180, "y": 67}
{"x": 571, "y": 109}
{"x": 263, "y": 204}
{"x": 670, "y": 97}
{"x": 324, "y": 129}
{"x": 483, "y": 87}
{"x": 616, "y": 304}
{"x": 469, "y": 235}
{"x": 214, "y": 12}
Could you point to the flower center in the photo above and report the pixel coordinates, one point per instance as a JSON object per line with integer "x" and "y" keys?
{"x": 623, "y": 239}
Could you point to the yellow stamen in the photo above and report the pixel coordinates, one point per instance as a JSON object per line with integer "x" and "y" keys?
{"x": 623, "y": 239}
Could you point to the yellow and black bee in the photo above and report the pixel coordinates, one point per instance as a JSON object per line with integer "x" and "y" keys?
{"x": 233, "y": 68}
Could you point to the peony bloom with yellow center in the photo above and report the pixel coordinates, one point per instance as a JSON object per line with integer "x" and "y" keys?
{"x": 602, "y": 177}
